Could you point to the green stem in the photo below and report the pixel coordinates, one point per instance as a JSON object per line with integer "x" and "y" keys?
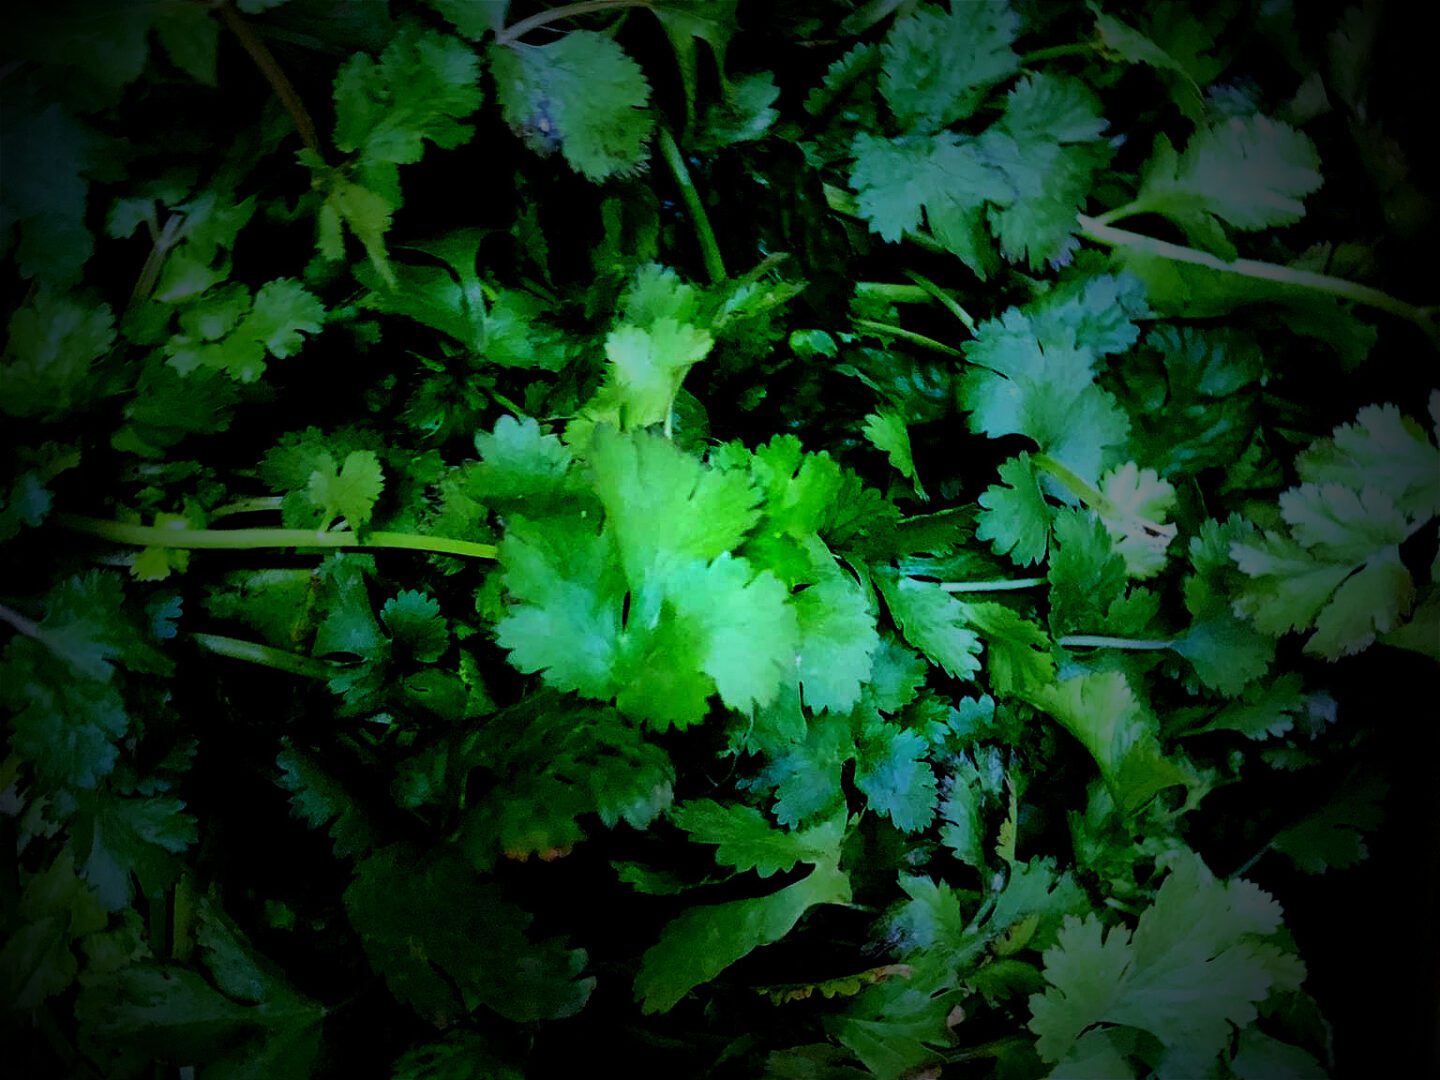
{"x": 845, "y": 204}
{"x": 1056, "y": 52}
{"x": 1100, "y": 231}
{"x": 1100, "y": 641}
{"x": 951, "y": 304}
{"x": 995, "y": 585}
{"x": 257, "y": 504}
{"x": 242, "y": 539}
{"x": 274, "y": 74}
{"x": 264, "y": 655}
{"x": 882, "y": 329}
{"x": 709, "y": 249}
{"x": 895, "y": 294}
{"x": 1249, "y": 863}
{"x": 565, "y": 11}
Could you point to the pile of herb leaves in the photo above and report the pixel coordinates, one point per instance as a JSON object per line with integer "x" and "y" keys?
{"x": 798, "y": 540}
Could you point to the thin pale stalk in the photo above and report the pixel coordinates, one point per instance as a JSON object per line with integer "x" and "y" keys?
{"x": 557, "y": 14}
{"x": 274, "y": 74}
{"x": 1100, "y": 231}
{"x": 899, "y": 332}
{"x": 996, "y": 585}
{"x": 1100, "y": 641}
{"x": 245, "y": 539}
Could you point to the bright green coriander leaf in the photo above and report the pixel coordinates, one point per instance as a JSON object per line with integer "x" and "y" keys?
{"x": 445, "y": 942}
{"x": 894, "y": 776}
{"x": 567, "y": 622}
{"x": 226, "y": 331}
{"x": 656, "y": 292}
{"x": 661, "y": 504}
{"x": 1192, "y": 968}
{"x": 887, "y": 432}
{"x": 581, "y": 94}
{"x": 365, "y": 213}
{"x": 1247, "y": 172}
{"x": 1101, "y": 710}
{"x": 283, "y": 310}
{"x": 938, "y": 67}
{"x": 703, "y": 941}
{"x": 524, "y": 471}
{"x": 49, "y": 363}
{"x": 745, "y": 840}
{"x": 896, "y": 676}
{"x": 424, "y": 84}
{"x": 1014, "y": 516}
{"x": 837, "y": 641}
{"x": 1017, "y": 657}
{"x": 414, "y": 621}
{"x": 349, "y": 490}
{"x": 1133, "y": 513}
{"x": 320, "y": 800}
{"x": 646, "y": 368}
{"x": 934, "y": 622}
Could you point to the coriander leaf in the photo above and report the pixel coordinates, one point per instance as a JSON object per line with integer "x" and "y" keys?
{"x": 1339, "y": 569}
{"x": 1101, "y": 710}
{"x": 1088, "y": 581}
{"x": 837, "y": 640}
{"x": 424, "y": 84}
{"x": 703, "y": 941}
{"x": 934, "y": 622}
{"x": 661, "y": 504}
{"x": 54, "y": 908}
{"x": 1178, "y": 57}
{"x": 521, "y": 469}
{"x": 1382, "y": 449}
{"x": 937, "y": 67}
{"x": 119, "y": 836}
{"x": 582, "y": 94}
{"x": 49, "y": 364}
{"x": 887, "y": 432}
{"x": 943, "y": 179}
{"x": 445, "y": 943}
{"x": 1017, "y": 651}
{"x": 1248, "y": 172}
{"x": 350, "y": 490}
{"x": 746, "y": 841}
{"x": 1191, "y": 969}
{"x": 414, "y": 621}
{"x": 1334, "y": 835}
{"x": 319, "y": 799}
{"x": 894, "y": 776}
{"x": 646, "y": 368}
{"x": 1014, "y": 516}
{"x": 1136, "y": 502}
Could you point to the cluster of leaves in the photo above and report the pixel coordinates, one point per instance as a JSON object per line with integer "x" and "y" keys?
{"x": 797, "y": 672}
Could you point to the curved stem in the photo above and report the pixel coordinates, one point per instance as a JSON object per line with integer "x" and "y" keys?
{"x": 709, "y": 249}
{"x": 274, "y": 74}
{"x": 244, "y": 539}
{"x": 565, "y": 11}
{"x": 1100, "y": 641}
{"x": 257, "y": 504}
{"x": 264, "y": 655}
{"x": 882, "y": 329}
{"x": 1100, "y": 231}
{"x": 951, "y": 304}
{"x": 995, "y": 585}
